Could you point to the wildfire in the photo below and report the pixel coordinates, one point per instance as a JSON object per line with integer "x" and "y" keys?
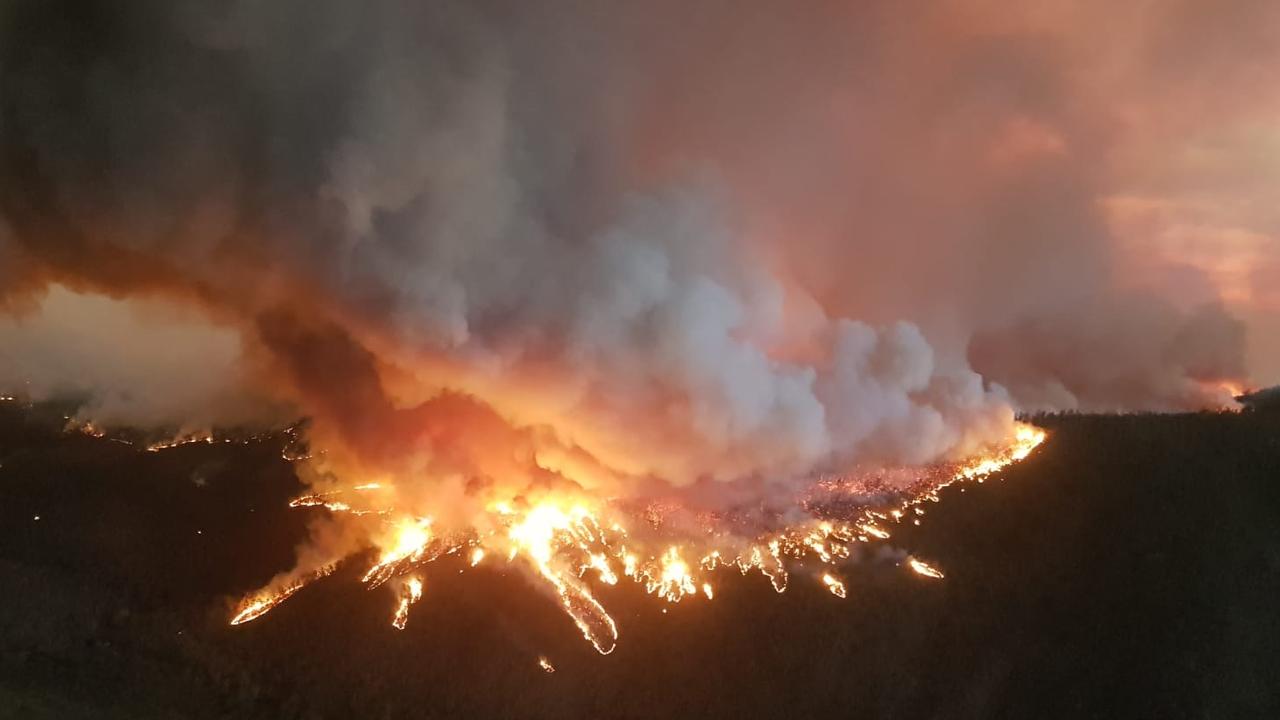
{"x": 672, "y": 580}
{"x": 185, "y": 439}
{"x": 570, "y": 542}
{"x": 206, "y": 437}
{"x": 1026, "y": 439}
{"x": 923, "y": 568}
{"x": 834, "y": 584}
{"x": 410, "y": 593}
{"x": 261, "y": 603}
{"x": 411, "y": 540}
{"x": 84, "y": 428}
{"x": 544, "y": 530}
{"x": 1226, "y": 393}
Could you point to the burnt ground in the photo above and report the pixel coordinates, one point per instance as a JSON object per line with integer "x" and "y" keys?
{"x": 1130, "y": 568}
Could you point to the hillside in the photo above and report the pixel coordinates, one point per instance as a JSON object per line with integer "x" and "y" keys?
{"x": 1130, "y": 568}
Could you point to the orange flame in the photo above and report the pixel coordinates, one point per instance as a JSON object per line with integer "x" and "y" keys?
{"x": 563, "y": 538}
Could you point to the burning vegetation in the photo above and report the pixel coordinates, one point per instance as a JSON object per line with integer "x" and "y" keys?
{"x": 114, "y": 601}
{"x": 570, "y": 541}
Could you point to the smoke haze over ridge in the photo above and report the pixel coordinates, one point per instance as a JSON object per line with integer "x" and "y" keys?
{"x": 660, "y": 241}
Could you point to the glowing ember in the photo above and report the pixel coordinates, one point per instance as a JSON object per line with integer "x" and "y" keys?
{"x": 569, "y": 540}
{"x": 546, "y": 665}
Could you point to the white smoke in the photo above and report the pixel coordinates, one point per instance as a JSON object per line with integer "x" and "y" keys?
{"x": 131, "y": 363}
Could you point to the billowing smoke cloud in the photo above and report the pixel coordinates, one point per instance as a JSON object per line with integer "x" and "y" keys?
{"x": 1038, "y": 177}
{"x": 646, "y": 241}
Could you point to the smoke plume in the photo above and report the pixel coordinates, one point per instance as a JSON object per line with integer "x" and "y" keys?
{"x": 654, "y": 243}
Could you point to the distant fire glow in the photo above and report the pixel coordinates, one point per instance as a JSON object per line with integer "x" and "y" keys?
{"x": 571, "y": 541}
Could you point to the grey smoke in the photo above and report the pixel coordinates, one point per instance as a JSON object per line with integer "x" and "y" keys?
{"x": 706, "y": 242}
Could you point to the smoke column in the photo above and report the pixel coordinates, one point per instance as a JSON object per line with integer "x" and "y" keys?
{"x": 643, "y": 244}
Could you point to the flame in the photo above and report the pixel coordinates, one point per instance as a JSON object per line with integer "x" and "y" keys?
{"x": 671, "y": 580}
{"x": 261, "y": 603}
{"x": 411, "y": 538}
{"x": 1026, "y": 438}
{"x": 570, "y": 540}
{"x": 834, "y": 584}
{"x": 546, "y": 665}
{"x": 185, "y": 439}
{"x": 206, "y": 437}
{"x": 410, "y": 593}
{"x": 537, "y": 536}
{"x": 923, "y": 568}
